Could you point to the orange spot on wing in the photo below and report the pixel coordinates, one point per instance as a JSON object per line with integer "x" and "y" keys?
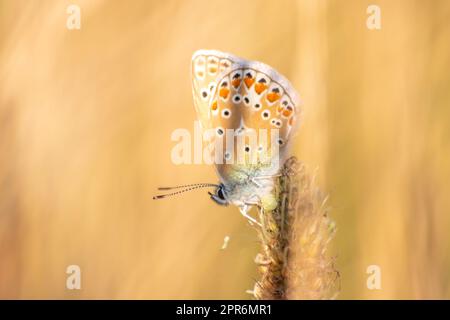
{"x": 236, "y": 82}
{"x": 260, "y": 87}
{"x": 214, "y": 105}
{"x": 200, "y": 74}
{"x": 212, "y": 70}
{"x": 249, "y": 82}
{"x": 224, "y": 93}
{"x": 273, "y": 96}
{"x": 287, "y": 112}
{"x": 291, "y": 121}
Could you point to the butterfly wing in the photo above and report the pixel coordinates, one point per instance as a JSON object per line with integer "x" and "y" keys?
{"x": 206, "y": 68}
{"x": 249, "y": 97}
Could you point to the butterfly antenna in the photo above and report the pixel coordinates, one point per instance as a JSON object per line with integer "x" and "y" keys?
{"x": 189, "y": 185}
{"x": 192, "y": 187}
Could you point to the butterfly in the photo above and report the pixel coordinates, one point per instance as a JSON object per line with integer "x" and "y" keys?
{"x": 236, "y": 100}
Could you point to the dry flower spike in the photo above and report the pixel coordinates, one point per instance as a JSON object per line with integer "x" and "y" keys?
{"x": 293, "y": 262}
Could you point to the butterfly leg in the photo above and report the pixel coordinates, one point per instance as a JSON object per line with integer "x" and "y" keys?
{"x": 244, "y": 211}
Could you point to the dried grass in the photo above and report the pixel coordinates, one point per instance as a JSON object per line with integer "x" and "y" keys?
{"x": 294, "y": 263}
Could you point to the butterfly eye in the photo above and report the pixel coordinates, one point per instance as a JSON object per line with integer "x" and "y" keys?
{"x": 226, "y": 113}
{"x": 265, "y": 115}
{"x": 220, "y": 194}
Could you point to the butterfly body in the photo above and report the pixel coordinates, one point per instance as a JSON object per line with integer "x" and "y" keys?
{"x": 260, "y": 108}
{"x": 244, "y": 185}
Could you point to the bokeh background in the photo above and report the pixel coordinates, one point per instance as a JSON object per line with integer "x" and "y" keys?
{"x": 85, "y": 123}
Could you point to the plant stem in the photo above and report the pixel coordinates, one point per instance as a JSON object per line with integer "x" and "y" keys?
{"x": 293, "y": 262}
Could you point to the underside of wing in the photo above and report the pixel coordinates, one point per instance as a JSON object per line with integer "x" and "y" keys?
{"x": 253, "y": 99}
{"x": 206, "y": 68}
{"x": 239, "y": 99}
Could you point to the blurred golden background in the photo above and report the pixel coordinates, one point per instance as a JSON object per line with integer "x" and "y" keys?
{"x": 85, "y": 123}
